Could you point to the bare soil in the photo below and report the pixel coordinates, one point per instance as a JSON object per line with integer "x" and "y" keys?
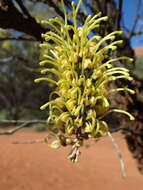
{"x": 37, "y": 167}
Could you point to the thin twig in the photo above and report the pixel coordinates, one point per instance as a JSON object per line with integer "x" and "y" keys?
{"x": 136, "y": 33}
{"x": 113, "y": 130}
{"x": 4, "y": 60}
{"x": 132, "y": 32}
{"x": 20, "y": 121}
{"x": 22, "y": 125}
{"x": 24, "y": 9}
{"x": 125, "y": 129}
{"x": 118, "y": 15}
{"x": 18, "y": 39}
{"x": 122, "y": 165}
{"x": 21, "y": 59}
{"x": 10, "y": 132}
{"x": 34, "y": 141}
{"x": 30, "y": 142}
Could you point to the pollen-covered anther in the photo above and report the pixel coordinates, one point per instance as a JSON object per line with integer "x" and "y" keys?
{"x": 91, "y": 114}
{"x": 69, "y": 141}
{"x": 92, "y": 101}
{"x": 78, "y": 121}
{"x": 70, "y": 104}
{"x": 67, "y": 74}
{"x": 76, "y": 111}
{"x": 86, "y": 101}
{"x": 74, "y": 58}
{"x": 89, "y": 127}
{"x": 80, "y": 31}
{"x": 64, "y": 62}
{"x": 64, "y": 116}
{"x": 74, "y": 82}
{"x": 69, "y": 130}
{"x": 88, "y": 64}
{"x": 73, "y": 93}
{"x": 81, "y": 81}
{"x": 97, "y": 74}
{"x": 89, "y": 82}
{"x": 58, "y": 49}
{"x": 59, "y": 101}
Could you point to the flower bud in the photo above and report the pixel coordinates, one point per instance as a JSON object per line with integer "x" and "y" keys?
{"x": 64, "y": 116}
{"x": 69, "y": 130}
{"x": 69, "y": 141}
{"x": 88, "y": 127}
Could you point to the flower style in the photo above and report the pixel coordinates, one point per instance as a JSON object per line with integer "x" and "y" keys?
{"x": 80, "y": 101}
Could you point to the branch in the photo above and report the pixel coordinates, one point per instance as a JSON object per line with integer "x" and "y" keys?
{"x": 117, "y": 149}
{"x": 22, "y": 123}
{"x": 131, "y": 34}
{"x": 97, "y": 6}
{"x": 55, "y": 6}
{"x": 10, "y": 132}
{"x": 7, "y": 122}
{"x": 21, "y": 59}
{"x": 125, "y": 28}
{"x": 18, "y": 39}
{"x": 5, "y": 60}
{"x": 86, "y": 4}
{"x": 30, "y": 141}
{"x": 119, "y": 15}
{"x": 52, "y": 4}
{"x": 12, "y": 18}
{"x": 23, "y": 8}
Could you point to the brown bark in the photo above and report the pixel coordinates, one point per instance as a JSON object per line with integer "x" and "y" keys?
{"x": 12, "y": 18}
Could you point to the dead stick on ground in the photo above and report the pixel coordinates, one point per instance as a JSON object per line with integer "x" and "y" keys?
{"x": 122, "y": 165}
{"x": 33, "y": 141}
{"x": 30, "y": 142}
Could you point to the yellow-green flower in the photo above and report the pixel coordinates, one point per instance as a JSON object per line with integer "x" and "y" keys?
{"x": 82, "y": 77}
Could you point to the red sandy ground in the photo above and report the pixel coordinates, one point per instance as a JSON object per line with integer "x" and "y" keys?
{"x": 138, "y": 51}
{"x": 37, "y": 167}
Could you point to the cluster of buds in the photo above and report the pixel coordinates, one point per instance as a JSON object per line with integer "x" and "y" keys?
{"x": 80, "y": 101}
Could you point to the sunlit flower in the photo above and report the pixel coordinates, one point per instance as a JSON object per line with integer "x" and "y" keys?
{"x": 80, "y": 101}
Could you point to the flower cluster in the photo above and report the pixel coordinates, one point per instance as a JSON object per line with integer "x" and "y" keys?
{"x": 82, "y": 72}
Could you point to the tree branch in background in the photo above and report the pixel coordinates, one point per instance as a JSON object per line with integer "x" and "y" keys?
{"x": 97, "y": 6}
{"x": 18, "y": 39}
{"x": 56, "y": 8}
{"x": 119, "y": 153}
{"x": 21, "y": 59}
{"x": 22, "y": 125}
{"x": 132, "y": 32}
{"x": 58, "y": 11}
{"x": 30, "y": 141}
{"x": 52, "y": 4}
{"x": 12, "y": 18}
{"x": 119, "y": 15}
{"x": 24, "y": 10}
